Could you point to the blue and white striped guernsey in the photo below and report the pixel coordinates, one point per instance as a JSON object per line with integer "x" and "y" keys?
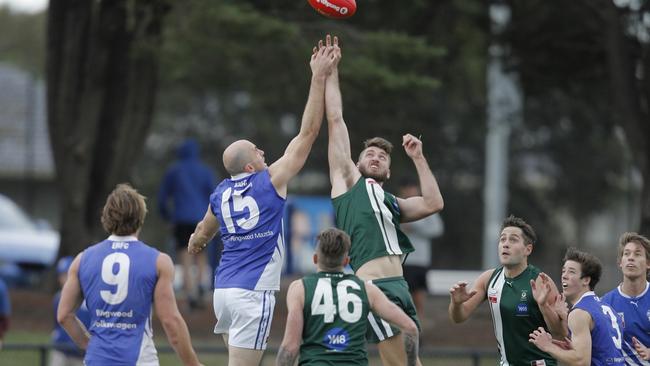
{"x": 250, "y": 213}
{"x": 606, "y": 335}
{"x": 118, "y": 277}
{"x": 635, "y": 313}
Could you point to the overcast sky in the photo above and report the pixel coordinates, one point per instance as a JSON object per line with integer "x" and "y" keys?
{"x": 25, "y": 5}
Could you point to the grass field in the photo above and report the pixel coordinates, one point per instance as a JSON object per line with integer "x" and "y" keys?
{"x": 33, "y": 357}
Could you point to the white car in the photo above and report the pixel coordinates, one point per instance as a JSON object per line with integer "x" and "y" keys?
{"x": 22, "y": 241}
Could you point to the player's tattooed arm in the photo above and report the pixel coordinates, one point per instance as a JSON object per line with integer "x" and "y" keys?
{"x": 411, "y": 346}
{"x": 286, "y": 357}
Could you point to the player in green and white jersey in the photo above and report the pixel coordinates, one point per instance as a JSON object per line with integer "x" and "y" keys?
{"x": 328, "y": 310}
{"x": 372, "y": 216}
{"x": 520, "y": 299}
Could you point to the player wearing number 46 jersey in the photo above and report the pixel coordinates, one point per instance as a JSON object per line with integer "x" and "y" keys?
{"x": 248, "y": 208}
{"x": 328, "y": 312}
{"x": 594, "y": 327}
{"x": 121, "y": 279}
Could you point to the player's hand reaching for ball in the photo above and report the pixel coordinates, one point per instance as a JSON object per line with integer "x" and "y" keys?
{"x": 412, "y": 146}
{"x": 324, "y": 57}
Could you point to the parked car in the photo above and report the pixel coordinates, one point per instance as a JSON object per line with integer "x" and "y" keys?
{"x": 26, "y": 248}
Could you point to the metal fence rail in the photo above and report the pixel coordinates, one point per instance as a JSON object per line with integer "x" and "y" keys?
{"x": 475, "y": 355}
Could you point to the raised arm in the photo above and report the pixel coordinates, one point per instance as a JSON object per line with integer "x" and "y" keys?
{"x": 463, "y": 303}
{"x": 415, "y": 208}
{"x": 343, "y": 171}
{"x": 380, "y": 304}
{"x": 295, "y": 156}
{"x": 551, "y": 304}
{"x": 290, "y": 347}
{"x": 580, "y": 352}
{"x": 70, "y": 300}
{"x": 167, "y": 311}
{"x": 205, "y": 230}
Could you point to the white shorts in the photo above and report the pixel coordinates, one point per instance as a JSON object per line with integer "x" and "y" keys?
{"x": 244, "y": 315}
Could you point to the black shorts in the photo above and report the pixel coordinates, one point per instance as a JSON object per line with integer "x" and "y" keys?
{"x": 416, "y": 277}
{"x": 182, "y": 233}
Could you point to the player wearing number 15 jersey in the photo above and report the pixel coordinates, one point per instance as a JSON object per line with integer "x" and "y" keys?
{"x": 248, "y": 208}
{"x": 594, "y": 327}
{"x": 328, "y": 312}
{"x": 121, "y": 279}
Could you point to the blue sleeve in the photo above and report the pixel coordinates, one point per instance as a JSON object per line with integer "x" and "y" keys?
{"x": 5, "y": 303}
{"x": 163, "y": 196}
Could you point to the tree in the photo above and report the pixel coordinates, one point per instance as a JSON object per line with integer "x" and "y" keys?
{"x": 101, "y": 64}
{"x": 584, "y": 68}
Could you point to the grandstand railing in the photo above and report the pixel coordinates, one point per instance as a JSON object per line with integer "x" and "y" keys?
{"x": 475, "y": 355}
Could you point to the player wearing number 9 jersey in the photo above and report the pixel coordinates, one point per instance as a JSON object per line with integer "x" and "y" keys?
{"x": 248, "y": 208}
{"x": 326, "y": 324}
{"x": 120, "y": 279}
{"x": 594, "y": 327}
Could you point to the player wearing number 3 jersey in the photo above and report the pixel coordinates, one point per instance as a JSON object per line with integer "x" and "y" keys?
{"x": 328, "y": 312}
{"x": 121, "y": 279}
{"x": 247, "y": 208}
{"x": 594, "y": 327}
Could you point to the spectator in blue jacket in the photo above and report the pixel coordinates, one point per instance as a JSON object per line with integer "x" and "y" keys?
{"x": 5, "y": 311}
{"x": 187, "y": 186}
{"x": 65, "y": 352}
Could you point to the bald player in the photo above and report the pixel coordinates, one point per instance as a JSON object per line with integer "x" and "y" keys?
{"x": 248, "y": 208}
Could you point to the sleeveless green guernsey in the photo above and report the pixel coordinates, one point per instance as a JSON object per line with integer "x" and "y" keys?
{"x": 335, "y": 317}
{"x": 371, "y": 217}
{"x": 515, "y": 315}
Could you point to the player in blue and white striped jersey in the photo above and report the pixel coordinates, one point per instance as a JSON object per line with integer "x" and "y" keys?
{"x": 248, "y": 209}
{"x": 631, "y": 299}
{"x": 121, "y": 279}
{"x": 595, "y": 328}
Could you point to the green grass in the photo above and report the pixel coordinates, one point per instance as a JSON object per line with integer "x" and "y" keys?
{"x": 32, "y": 357}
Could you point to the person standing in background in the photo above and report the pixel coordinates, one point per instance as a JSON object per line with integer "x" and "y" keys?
{"x": 65, "y": 352}
{"x": 420, "y": 233}
{"x": 188, "y": 184}
{"x": 5, "y": 311}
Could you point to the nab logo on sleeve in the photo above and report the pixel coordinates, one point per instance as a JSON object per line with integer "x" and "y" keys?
{"x": 337, "y": 339}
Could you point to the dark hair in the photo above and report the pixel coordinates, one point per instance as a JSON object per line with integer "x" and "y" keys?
{"x": 332, "y": 246}
{"x": 589, "y": 265}
{"x": 631, "y": 237}
{"x": 529, "y": 234}
{"x": 124, "y": 211}
{"x": 379, "y": 142}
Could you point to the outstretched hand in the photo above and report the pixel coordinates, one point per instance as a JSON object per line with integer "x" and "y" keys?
{"x": 325, "y": 56}
{"x": 561, "y": 308}
{"x": 459, "y": 293}
{"x": 412, "y": 146}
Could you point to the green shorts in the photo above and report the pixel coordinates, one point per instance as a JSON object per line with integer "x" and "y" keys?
{"x": 397, "y": 291}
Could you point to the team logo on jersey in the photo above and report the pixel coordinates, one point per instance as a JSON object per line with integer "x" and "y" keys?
{"x": 524, "y": 296}
{"x": 492, "y": 295}
{"x": 522, "y": 309}
{"x": 337, "y": 339}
